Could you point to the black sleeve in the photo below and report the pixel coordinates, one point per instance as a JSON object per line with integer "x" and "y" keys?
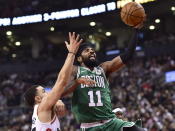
{"x": 128, "y": 54}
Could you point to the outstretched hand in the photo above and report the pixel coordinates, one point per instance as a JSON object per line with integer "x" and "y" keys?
{"x": 74, "y": 42}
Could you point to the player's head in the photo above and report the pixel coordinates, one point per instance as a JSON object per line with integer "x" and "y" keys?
{"x": 86, "y": 55}
{"x": 34, "y": 95}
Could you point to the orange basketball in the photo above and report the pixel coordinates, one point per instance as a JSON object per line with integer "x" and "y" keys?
{"x": 132, "y": 13}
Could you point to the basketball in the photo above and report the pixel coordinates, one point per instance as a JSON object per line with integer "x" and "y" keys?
{"x": 132, "y": 13}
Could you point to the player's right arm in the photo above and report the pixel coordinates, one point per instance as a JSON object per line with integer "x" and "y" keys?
{"x": 121, "y": 60}
{"x": 75, "y": 83}
{"x": 64, "y": 75}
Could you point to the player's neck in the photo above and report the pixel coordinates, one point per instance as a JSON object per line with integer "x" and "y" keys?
{"x": 91, "y": 68}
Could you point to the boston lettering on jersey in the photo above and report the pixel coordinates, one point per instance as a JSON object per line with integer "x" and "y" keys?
{"x": 98, "y": 79}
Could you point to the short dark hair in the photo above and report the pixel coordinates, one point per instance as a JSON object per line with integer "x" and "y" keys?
{"x": 81, "y": 48}
{"x": 29, "y": 95}
{"x": 84, "y": 46}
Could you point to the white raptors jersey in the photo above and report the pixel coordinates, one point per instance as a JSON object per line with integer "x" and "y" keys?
{"x": 54, "y": 125}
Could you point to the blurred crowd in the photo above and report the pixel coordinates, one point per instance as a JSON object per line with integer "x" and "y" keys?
{"x": 140, "y": 88}
{"x": 159, "y": 38}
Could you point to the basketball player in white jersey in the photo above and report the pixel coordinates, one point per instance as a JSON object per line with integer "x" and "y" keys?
{"x": 45, "y": 112}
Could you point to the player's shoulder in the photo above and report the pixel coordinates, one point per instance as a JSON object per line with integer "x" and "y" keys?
{"x": 104, "y": 65}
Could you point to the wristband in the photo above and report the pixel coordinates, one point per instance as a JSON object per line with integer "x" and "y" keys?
{"x": 72, "y": 53}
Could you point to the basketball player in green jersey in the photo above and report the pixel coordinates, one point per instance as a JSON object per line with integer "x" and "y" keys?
{"x": 91, "y": 105}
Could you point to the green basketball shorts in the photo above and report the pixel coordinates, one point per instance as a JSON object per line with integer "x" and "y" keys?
{"x": 113, "y": 125}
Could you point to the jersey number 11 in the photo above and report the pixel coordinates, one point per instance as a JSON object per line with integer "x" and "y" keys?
{"x": 91, "y": 96}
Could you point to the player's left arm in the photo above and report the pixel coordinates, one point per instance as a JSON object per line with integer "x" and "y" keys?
{"x": 121, "y": 60}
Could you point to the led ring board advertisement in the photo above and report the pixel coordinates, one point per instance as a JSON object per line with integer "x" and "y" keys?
{"x": 66, "y": 14}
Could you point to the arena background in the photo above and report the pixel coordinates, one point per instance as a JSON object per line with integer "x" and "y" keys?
{"x": 32, "y": 35}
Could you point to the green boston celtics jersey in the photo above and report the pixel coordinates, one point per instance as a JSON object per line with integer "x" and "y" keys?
{"x": 93, "y": 103}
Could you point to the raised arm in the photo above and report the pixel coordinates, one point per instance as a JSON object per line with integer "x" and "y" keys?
{"x": 121, "y": 60}
{"x": 64, "y": 75}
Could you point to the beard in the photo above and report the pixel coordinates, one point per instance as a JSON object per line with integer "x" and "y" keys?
{"x": 90, "y": 63}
